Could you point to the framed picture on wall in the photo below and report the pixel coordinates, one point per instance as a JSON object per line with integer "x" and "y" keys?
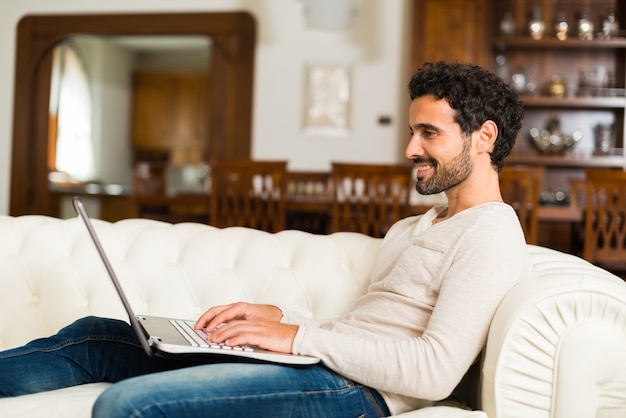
{"x": 326, "y": 109}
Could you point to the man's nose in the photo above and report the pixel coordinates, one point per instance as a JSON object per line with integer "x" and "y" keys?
{"x": 414, "y": 147}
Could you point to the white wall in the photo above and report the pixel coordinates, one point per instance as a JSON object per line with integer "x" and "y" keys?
{"x": 375, "y": 48}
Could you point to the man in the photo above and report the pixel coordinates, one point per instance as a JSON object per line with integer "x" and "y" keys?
{"x": 409, "y": 340}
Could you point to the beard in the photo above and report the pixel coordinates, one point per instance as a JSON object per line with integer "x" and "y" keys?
{"x": 446, "y": 176}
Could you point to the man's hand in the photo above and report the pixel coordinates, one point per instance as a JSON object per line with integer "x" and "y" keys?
{"x": 218, "y": 315}
{"x": 247, "y": 324}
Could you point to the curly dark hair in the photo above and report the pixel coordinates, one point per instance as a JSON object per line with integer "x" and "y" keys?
{"x": 477, "y": 96}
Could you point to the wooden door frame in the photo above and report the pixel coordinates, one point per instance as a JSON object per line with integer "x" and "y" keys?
{"x": 230, "y": 90}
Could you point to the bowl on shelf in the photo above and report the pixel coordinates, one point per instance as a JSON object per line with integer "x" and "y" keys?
{"x": 551, "y": 140}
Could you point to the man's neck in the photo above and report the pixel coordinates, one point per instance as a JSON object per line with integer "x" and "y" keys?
{"x": 475, "y": 191}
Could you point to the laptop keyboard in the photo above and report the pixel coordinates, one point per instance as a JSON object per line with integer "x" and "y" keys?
{"x": 198, "y": 337}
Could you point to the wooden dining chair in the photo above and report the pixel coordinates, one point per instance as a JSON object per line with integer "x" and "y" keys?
{"x": 368, "y": 198}
{"x": 153, "y": 200}
{"x": 520, "y": 187}
{"x": 605, "y": 218}
{"x": 308, "y": 201}
{"x": 149, "y": 187}
{"x": 247, "y": 192}
{"x": 149, "y": 178}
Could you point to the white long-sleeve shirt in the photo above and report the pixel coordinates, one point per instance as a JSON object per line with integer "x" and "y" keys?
{"x": 425, "y": 317}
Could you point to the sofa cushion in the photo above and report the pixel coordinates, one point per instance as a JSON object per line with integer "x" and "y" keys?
{"x": 75, "y": 401}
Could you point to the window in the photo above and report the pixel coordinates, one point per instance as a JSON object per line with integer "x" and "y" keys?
{"x": 71, "y": 145}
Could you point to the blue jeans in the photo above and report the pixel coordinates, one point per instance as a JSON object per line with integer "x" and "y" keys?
{"x": 105, "y": 350}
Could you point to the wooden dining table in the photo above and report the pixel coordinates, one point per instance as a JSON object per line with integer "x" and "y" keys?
{"x": 308, "y": 202}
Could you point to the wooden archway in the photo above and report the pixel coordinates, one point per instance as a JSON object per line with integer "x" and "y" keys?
{"x": 230, "y": 92}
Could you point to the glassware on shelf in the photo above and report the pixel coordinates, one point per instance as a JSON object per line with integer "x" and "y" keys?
{"x": 561, "y": 27}
{"x": 519, "y": 82}
{"x": 557, "y": 86}
{"x": 599, "y": 81}
{"x": 536, "y": 27}
{"x": 603, "y": 138}
{"x": 523, "y": 81}
{"x": 502, "y": 69}
{"x": 585, "y": 25}
{"x": 610, "y": 26}
{"x": 554, "y": 197}
{"x": 507, "y": 24}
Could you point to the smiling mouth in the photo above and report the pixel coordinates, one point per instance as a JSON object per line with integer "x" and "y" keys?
{"x": 422, "y": 167}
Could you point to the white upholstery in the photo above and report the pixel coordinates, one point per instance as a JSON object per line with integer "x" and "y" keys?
{"x": 556, "y": 347}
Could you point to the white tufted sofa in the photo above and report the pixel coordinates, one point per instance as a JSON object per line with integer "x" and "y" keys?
{"x": 557, "y": 346}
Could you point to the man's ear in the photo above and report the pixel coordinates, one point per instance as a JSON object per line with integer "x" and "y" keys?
{"x": 487, "y": 135}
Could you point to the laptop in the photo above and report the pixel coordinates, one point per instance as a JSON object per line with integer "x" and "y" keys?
{"x": 168, "y": 337}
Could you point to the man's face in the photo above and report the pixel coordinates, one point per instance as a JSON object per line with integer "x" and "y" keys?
{"x": 440, "y": 151}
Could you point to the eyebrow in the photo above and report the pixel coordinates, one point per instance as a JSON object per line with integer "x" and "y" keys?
{"x": 422, "y": 126}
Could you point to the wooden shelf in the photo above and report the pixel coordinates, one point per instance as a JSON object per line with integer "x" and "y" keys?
{"x": 548, "y": 42}
{"x": 575, "y": 102}
{"x": 568, "y": 160}
{"x": 590, "y": 99}
{"x": 559, "y": 214}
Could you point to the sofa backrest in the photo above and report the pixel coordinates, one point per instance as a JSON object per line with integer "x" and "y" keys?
{"x": 51, "y": 273}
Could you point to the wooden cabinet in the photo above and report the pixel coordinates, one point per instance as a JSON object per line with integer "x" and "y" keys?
{"x": 450, "y": 30}
{"x": 580, "y": 82}
{"x": 496, "y": 34}
{"x": 594, "y": 71}
{"x": 170, "y": 113}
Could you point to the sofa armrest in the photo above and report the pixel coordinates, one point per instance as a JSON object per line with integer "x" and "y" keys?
{"x": 557, "y": 344}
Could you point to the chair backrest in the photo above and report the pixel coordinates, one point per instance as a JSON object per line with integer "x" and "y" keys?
{"x": 520, "y": 187}
{"x": 149, "y": 178}
{"x": 250, "y": 193}
{"x": 605, "y": 212}
{"x": 368, "y": 198}
{"x": 309, "y": 186}
{"x": 308, "y": 199}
